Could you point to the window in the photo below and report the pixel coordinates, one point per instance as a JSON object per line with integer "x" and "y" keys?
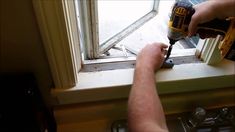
{"x": 106, "y": 23}
{"x": 114, "y": 24}
{"x": 107, "y": 31}
{"x": 57, "y": 20}
{"x": 115, "y": 16}
{"x": 122, "y": 40}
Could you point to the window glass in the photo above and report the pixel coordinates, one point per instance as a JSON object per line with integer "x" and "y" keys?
{"x": 116, "y": 15}
{"x": 156, "y": 31}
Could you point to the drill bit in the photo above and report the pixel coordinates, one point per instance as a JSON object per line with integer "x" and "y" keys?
{"x": 168, "y": 52}
{"x": 172, "y": 42}
{"x": 168, "y": 63}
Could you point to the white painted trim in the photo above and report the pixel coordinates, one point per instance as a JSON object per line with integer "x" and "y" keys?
{"x": 60, "y": 39}
{"x": 205, "y": 49}
{"x": 175, "y": 53}
{"x": 89, "y": 27}
{"x": 210, "y": 53}
{"x": 156, "y": 5}
{"x": 115, "y": 84}
{"x": 214, "y": 56}
{"x": 199, "y": 47}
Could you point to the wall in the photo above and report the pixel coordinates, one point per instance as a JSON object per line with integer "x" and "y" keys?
{"x": 21, "y": 48}
{"x": 98, "y": 116}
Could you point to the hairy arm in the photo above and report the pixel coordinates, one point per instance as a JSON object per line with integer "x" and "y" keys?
{"x": 145, "y": 112}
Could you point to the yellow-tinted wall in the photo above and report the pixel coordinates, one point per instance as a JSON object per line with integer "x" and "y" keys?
{"x": 21, "y": 47}
{"x": 98, "y": 116}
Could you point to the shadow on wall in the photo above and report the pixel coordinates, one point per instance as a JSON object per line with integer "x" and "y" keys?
{"x": 21, "y": 47}
{"x": 22, "y": 106}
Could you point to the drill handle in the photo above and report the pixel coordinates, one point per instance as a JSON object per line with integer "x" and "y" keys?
{"x": 214, "y": 27}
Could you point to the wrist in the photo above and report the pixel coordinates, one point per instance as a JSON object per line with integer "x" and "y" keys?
{"x": 145, "y": 67}
{"x": 143, "y": 74}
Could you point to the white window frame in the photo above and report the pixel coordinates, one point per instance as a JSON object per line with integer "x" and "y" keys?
{"x": 59, "y": 31}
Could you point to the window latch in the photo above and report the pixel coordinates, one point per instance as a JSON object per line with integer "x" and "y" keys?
{"x": 124, "y": 50}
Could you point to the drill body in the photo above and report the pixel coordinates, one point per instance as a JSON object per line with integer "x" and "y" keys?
{"x": 180, "y": 18}
{"x": 179, "y": 21}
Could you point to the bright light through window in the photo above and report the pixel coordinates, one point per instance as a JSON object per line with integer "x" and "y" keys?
{"x": 114, "y": 28}
{"x": 116, "y": 15}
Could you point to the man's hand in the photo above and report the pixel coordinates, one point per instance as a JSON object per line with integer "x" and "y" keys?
{"x": 209, "y": 10}
{"x": 204, "y": 12}
{"x": 151, "y": 56}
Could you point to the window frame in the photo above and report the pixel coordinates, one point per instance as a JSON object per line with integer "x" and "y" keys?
{"x": 58, "y": 27}
{"x": 60, "y": 35}
{"x": 116, "y": 84}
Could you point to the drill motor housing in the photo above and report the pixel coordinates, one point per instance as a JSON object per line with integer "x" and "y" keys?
{"x": 180, "y": 18}
{"x": 178, "y": 29}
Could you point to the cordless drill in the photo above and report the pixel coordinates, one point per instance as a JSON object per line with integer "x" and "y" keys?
{"x": 179, "y": 21}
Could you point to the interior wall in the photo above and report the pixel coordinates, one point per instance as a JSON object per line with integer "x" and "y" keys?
{"x": 21, "y": 47}
{"x": 101, "y": 114}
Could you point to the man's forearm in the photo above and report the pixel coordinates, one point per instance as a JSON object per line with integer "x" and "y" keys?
{"x": 144, "y": 103}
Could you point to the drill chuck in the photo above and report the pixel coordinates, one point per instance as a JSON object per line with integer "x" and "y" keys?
{"x": 172, "y": 41}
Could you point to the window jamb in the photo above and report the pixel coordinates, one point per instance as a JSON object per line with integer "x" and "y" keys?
{"x": 156, "y": 5}
{"x": 89, "y": 27}
{"x": 59, "y": 31}
{"x": 210, "y": 52}
{"x": 199, "y": 47}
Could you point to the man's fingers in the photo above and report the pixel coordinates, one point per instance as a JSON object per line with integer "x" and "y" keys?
{"x": 164, "y": 51}
{"x": 159, "y": 43}
{"x": 192, "y": 26}
{"x": 164, "y": 45}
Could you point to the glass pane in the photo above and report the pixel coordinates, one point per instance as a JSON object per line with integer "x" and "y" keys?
{"x": 116, "y": 15}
